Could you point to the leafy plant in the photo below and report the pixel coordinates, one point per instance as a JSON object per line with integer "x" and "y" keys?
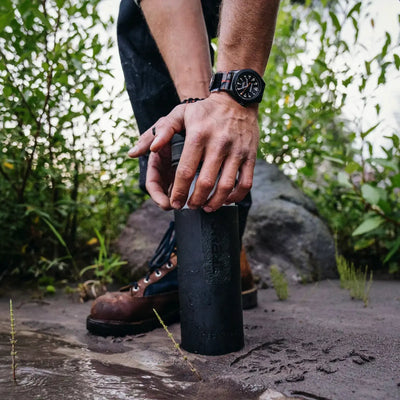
{"x": 105, "y": 266}
{"x": 279, "y": 282}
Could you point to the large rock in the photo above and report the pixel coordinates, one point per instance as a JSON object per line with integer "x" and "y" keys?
{"x": 283, "y": 229}
{"x": 141, "y": 236}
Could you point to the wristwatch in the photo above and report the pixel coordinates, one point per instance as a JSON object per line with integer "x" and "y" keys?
{"x": 245, "y": 85}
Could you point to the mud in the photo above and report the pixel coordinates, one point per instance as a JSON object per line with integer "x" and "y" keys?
{"x": 318, "y": 345}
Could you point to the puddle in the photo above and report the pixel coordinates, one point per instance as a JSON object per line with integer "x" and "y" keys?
{"x": 44, "y": 372}
{"x": 49, "y": 368}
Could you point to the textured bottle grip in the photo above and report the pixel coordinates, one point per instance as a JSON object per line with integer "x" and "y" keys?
{"x": 209, "y": 280}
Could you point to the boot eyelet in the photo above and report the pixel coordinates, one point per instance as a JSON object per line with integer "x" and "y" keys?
{"x": 146, "y": 280}
{"x": 158, "y": 273}
{"x": 136, "y": 289}
{"x": 169, "y": 264}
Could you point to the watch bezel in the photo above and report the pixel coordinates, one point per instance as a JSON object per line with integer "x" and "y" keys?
{"x": 244, "y": 100}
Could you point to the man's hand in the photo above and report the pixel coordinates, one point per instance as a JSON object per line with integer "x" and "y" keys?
{"x": 220, "y": 133}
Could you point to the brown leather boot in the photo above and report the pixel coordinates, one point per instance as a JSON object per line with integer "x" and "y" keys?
{"x": 130, "y": 311}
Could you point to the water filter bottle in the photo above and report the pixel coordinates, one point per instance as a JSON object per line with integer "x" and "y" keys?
{"x": 208, "y": 247}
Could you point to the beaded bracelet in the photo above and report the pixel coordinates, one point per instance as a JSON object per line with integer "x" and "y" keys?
{"x": 191, "y": 100}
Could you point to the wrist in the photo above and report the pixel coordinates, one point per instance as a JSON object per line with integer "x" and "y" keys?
{"x": 245, "y": 86}
{"x": 226, "y": 99}
{"x": 193, "y": 88}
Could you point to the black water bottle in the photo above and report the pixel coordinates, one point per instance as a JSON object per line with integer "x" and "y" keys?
{"x": 210, "y": 299}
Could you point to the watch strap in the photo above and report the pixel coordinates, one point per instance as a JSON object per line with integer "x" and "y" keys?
{"x": 221, "y": 81}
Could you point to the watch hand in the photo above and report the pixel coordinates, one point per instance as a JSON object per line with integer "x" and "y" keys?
{"x": 241, "y": 93}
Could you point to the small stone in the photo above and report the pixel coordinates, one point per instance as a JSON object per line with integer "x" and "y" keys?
{"x": 295, "y": 378}
{"x": 326, "y": 369}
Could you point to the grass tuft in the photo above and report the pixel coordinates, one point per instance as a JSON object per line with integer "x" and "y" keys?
{"x": 176, "y": 345}
{"x": 355, "y": 281}
{"x": 13, "y": 342}
{"x": 280, "y": 283}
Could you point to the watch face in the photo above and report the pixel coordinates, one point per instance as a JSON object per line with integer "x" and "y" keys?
{"x": 247, "y": 85}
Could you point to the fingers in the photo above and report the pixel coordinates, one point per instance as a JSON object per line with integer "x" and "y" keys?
{"x": 156, "y": 183}
{"x": 225, "y": 185}
{"x": 244, "y": 183}
{"x": 156, "y": 137}
{"x": 207, "y": 179}
{"x": 233, "y": 161}
{"x": 191, "y": 156}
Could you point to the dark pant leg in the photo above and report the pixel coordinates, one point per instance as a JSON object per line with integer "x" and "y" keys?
{"x": 149, "y": 85}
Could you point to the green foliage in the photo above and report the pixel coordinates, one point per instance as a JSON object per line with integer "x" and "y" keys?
{"x": 105, "y": 266}
{"x": 354, "y": 280}
{"x": 304, "y": 130}
{"x": 63, "y": 169}
{"x": 279, "y": 282}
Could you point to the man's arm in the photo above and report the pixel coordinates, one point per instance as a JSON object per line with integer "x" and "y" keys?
{"x": 179, "y": 30}
{"x": 219, "y": 131}
{"x": 246, "y": 34}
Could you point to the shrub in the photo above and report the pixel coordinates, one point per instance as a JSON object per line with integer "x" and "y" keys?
{"x": 304, "y": 128}
{"x": 63, "y": 167}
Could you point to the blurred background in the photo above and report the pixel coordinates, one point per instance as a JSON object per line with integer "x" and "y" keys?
{"x": 329, "y": 118}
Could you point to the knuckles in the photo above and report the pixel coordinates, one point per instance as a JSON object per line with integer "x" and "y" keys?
{"x": 246, "y": 185}
{"x": 226, "y": 186}
{"x": 205, "y": 183}
{"x": 185, "y": 173}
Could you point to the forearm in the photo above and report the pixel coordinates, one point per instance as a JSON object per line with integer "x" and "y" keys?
{"x": 179, "y": 30}
{"x": 246, "y": 34}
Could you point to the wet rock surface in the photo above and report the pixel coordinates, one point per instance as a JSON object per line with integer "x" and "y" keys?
{"x": 317, "y": 345}
{"x": 283, "y": 229}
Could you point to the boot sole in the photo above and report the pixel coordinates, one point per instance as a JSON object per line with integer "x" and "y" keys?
{"x": 122, "y": 328}
{"x": 100, "y": 327}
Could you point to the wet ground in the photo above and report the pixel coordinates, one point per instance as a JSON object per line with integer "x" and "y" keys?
{"x": 318, "y": 345}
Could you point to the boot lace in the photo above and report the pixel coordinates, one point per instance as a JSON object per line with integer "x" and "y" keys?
{"x": 161, "y": 256}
